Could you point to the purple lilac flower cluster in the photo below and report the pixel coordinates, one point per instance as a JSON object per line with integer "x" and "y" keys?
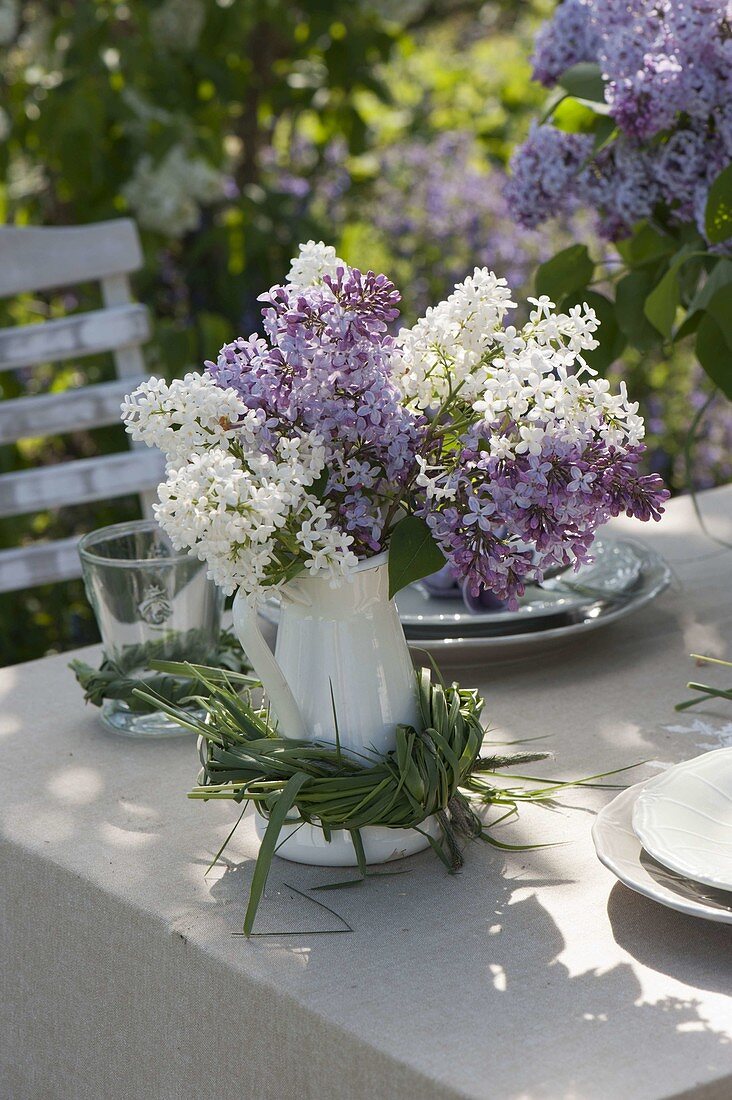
{"x": 325, "y": 367}
{"x": 667, "y": 65}
{"x": 512, "y": 519}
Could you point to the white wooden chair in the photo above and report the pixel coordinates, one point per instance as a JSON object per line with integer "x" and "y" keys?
{"x": 38, "y": 259}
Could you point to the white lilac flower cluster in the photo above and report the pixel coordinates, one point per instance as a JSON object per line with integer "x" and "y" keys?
{"x": 314, "y": 260}
{"x": 446, "y": 349}
{"x": 243, "y": 508}
{"x": 167, "y": 197}
{"x": 301, "y": 450}
{"x": 181, "y": 417}
{"x": 533, "y": 381}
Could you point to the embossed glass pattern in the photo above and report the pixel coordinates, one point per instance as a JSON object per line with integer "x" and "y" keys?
{"x": 151, "y": 603}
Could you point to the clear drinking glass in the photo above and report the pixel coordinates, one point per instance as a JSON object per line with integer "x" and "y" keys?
{"x": 151, "y": 603}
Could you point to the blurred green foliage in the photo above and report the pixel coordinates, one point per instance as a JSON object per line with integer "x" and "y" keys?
{"x": 167, "y": 110}
{"x": 231, "y": 130}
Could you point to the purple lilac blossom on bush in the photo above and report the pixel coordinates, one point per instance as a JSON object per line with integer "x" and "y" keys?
{"x": 667, "y": 65}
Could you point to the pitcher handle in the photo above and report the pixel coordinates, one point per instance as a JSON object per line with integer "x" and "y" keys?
{"x": 246, "y": 626}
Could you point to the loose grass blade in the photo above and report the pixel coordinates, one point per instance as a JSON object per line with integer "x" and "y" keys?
{"x": 269, "y": 842}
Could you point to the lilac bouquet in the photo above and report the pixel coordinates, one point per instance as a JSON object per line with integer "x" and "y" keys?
{"x": 330, "y": 440}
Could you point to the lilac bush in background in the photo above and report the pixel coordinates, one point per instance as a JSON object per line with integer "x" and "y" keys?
{"x": 638, "y": 134}
{"x": 668, "y": 88}
{"x": 441, "y": 207}
{"x": 435, "y": 203}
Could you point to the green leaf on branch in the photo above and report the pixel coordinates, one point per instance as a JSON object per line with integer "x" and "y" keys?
{"x": 605, "y": 132}
{"x": 573, "y": 117}
{"x": 718, "y": 214}
{"x": 612, "y": 340}
{"x": 663, "y": 302}
{"x": 646, "y": 245}
{"x": 719, "y": 277}
{"x": 720, "y": 309}
{"x": 630, "y": 296}
{"x": 413, "y": 554}
{"x": 584, "y": 81}
{"x": 714, "y": 354}
{"x": 578, "y": 116}
{"x": 566, "y": 273}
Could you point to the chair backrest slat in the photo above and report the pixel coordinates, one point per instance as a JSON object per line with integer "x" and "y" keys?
{"x": 79, "y": 482}
{"x": 46, "y": 258}
{"x": 73, "y": 337}
{"x": 128, "y": 361}
{"x": 41, "y": 563}
{"x": 70, "y": 411}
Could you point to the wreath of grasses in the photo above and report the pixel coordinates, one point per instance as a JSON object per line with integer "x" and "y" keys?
{"x": 438, "y": 770}
{"x": 120, "y": 679}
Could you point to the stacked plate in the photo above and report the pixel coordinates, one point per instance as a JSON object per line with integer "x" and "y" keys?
{"x": 670, "y": 838}
{"x": 623, "y": 576}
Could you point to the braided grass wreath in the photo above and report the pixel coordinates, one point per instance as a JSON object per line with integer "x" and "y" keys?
{"x": 116, "y": 680}
{"x": 436, "y": 770}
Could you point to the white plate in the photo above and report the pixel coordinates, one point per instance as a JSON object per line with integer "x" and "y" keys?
{"x": 620, "y": 850}
{"x": 529, "y": 639}
{"x": 683, "y": 818}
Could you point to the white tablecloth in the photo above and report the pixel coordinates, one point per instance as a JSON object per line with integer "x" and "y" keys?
{"x": 530, "y": 975}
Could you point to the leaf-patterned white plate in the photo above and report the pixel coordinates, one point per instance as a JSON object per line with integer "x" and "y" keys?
{"x": 683, "y": 818}
{"x": 620, "y": 850}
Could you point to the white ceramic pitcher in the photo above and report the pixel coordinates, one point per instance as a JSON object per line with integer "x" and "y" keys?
{"x": 340, "y": 654}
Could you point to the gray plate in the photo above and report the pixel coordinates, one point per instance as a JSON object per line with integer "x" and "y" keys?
{"x": 615, "y": 570}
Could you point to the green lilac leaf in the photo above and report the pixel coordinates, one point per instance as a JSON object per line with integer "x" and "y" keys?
{"x": 720, "y": 276}
{"x": 720, "y": 308}
{"x": 630, "y": 296}
{"x": 663, "y": 302}
{"x": 718, "y": 214}
{"x": 413, "y": 554}
{"x": 584, "y": 81}
{"x": 567, "y": 272}
{"x": 646, "y": 245}
{"x": 714, "y": 354}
